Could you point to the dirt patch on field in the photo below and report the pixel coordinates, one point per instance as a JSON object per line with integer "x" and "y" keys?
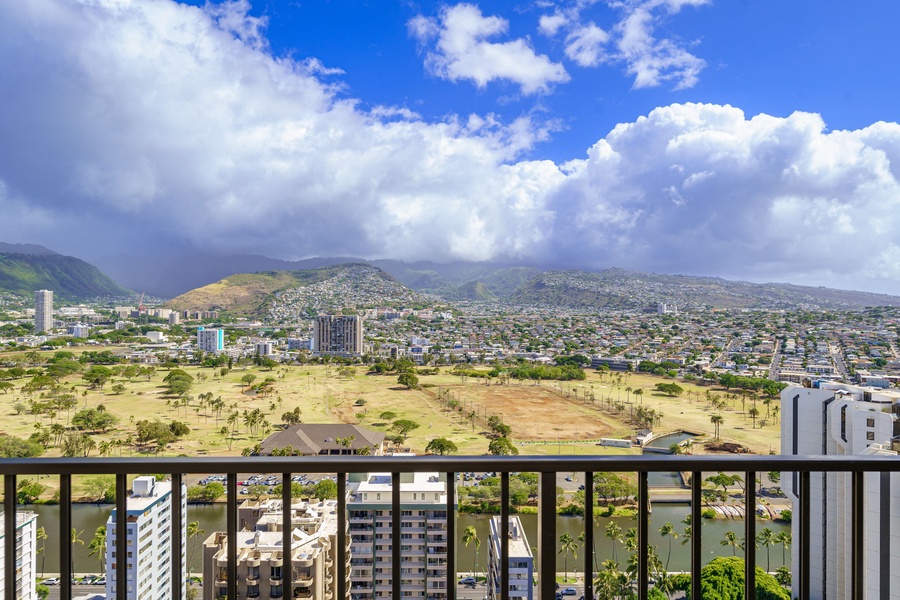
{"x": 536, "y": 413}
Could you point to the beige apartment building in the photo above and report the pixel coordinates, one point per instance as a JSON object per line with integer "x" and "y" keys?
{"x": 261, "y": 568}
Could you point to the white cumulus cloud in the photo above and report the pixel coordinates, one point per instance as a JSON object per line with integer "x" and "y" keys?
{"x": 142, "y": 125}
{"x": 630, "y": 41}
{"x": 586, "y": 44}
{"x": 462, "y": 51}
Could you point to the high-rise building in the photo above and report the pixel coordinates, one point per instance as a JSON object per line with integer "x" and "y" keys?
{"x": 43, "y": 311}
{"x": 338, "y": 334}
{"x": 422, "y": 536}
{"x": 148, "y": 548}
{"x": 210, "y": 340}
{"x": 261, "y": 568}
{"x": 837, "y": 419}
{"x": 520, "y": 564}
{"x": 26, "y": 556}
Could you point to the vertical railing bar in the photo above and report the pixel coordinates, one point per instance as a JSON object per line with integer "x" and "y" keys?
{"x": 287, "y": 561}
{"x": 396, "y": 529}
{"x": 65, "y": 529}
{"x": 231, "y": 533}
{"x": 547, "y": 536}
{"x": 451, "y": 536}
{"x": 342, "y": 570}
{"x": 643, "y": 535}
{"x": 696, "y": 533}
{"x": 858, "y": 537}
{"x": 750, "y": 535}
{"x": 805, "y": 533}
{"x": 177, "y": 547}
{"x": 504, "y": 536}
{"x": 122, "y": 537}
{"x": 589, "y": 535}
{"x": 9, "y": 541}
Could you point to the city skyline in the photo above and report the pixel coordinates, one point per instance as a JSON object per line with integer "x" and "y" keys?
{"x": 745, "y": 140}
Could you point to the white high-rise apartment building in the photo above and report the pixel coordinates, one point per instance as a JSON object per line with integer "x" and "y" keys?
{"x": 838, "y": 419}
{"x": 210, "y": 340}
{"x": 521, "y": 562}
{"x": 26, "y": 556}
{"x": 148, "y": 548}
{"x": 422, "y": 535}
{"x": 338, "y": 334}
{"x": 43, "y": 311}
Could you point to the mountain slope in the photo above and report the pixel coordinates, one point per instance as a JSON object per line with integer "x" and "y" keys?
{"x": 282, "y": 294}
{"x": 621, "y": 289}
{"x": 70, "y": 278}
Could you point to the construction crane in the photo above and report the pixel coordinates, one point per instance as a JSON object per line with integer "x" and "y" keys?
{"x": 142, "y": 310}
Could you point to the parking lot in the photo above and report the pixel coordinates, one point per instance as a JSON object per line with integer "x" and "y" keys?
{"x": 268, "y": 480}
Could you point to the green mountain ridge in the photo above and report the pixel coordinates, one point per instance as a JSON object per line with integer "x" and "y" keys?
{"x": 70, "y": 278}
{"x": 631, "y": 290}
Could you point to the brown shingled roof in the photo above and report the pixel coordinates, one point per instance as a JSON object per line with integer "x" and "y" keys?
{"x": 313, "y": 438}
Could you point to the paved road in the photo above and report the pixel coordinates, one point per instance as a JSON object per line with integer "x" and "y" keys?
{"x": 77, "y": 590}
{"x": 479, "y": 592}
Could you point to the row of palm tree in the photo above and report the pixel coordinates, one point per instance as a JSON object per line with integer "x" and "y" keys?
{"x": 612, "y": 583}
{"x": 765, "y": 538}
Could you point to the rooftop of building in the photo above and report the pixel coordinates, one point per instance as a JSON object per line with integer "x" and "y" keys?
{"x": 315, "y": 438}
{"x": 518, "y": 543}
{"x": 381, "y": 482}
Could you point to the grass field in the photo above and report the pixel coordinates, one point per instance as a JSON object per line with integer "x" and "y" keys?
{"x": 541, "y": 416}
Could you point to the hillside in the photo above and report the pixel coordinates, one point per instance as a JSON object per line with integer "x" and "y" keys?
{"x": 621, "y": 289}
{"x": 70, "y": 278}
{"x": 286, "y": 294}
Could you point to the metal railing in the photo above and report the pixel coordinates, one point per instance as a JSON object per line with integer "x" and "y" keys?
{"x": 546, "y": 466}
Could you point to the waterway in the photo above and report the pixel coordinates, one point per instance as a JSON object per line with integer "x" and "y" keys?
{"x": 666, "y": 441}
{"x": 88, "y": 517}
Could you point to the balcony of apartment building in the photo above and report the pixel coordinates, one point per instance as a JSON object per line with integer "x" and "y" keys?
{"x": 299, "y": 582}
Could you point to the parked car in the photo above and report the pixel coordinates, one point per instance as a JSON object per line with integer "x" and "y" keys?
{"x": 51, "y": 581}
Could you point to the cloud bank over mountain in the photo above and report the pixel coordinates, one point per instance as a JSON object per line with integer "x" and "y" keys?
{"x": 152, "y": 124}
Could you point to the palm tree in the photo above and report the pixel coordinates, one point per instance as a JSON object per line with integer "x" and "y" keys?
{"x": 767, "y": 538}
{"x": 97, "y": 546}
{"x": 610, "y": 582}
{"x": 614, "y": 532}
{"x": 567, "y": 545}
{"x": 731, "y": 539}
{"x": 717, "y": 420}
{"x": 470, "y": 535}
{"x": 640, "y": 394}
{"x": 41, "y": 536}
{"x": 75, "y": 539}
{"x": 753, "y": 412}
{"x": 193, "y": 530}
{"x": 783, "y": 538}
{"x": 668, "y": 530}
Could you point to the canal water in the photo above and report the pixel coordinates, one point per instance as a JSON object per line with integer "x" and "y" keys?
{"x": 88, "y": 517}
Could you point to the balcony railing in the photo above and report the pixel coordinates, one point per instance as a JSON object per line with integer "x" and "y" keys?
{"x": 546, "y": 466}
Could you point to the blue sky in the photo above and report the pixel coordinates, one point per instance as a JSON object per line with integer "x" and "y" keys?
{"x": 745, "y": 139}
{"x": 764, "y": 56}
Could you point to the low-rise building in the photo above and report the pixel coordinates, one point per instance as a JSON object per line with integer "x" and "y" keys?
{"x": 311, "y": 439}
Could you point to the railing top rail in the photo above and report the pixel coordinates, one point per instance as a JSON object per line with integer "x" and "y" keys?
{"x": 412, "y": 464}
